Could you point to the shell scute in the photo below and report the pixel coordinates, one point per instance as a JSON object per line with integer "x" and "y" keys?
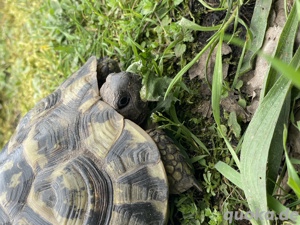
{"x": 16, "y": 179}
{"x": 100, "y": 127}
{"x": 143, "y": 213}
{"x": 131, "y": 151}
{"x": 29, "y": 217}
{"x": 74, "y": 160}
{"x": 138, "y": 178}
{"x": 70, "y": 193}
{"x": 4, "y": 219}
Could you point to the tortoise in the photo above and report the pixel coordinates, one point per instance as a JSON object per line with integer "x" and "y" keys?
{"x": 80, "y": 157}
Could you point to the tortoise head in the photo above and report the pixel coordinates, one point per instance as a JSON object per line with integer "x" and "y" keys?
{"x": 122, "y": 92}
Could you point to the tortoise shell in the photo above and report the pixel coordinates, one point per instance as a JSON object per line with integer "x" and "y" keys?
{"x": 74, "y": 160}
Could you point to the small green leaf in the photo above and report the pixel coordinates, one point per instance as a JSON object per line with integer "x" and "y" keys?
{"x": 193, "y": 26}
{"x": 179, "y": 49}
{"x": 135, "y": 67}
{"x": 153, "y": 90}
{"x": 239, "y": 84}
{"x": 242, "y": 102}
{"x": 147, "y": 7}
{"x": 233, "y": 123}
{"x": 177, "y": 2}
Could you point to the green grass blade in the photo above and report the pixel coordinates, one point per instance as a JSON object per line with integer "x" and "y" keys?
{"x": 244, "y": 45}
{"x": 293, "y": 180}
{"x": 230, "y": 148}
{"x": 279, "y": 208}
{"x": 231, "y": 174}
{"x": 295, "y": 161}
{"x": 298, "y": 9}
{"x": 187, "y": 132}
{"x": 217, "y": 86}
{"x": 294, "y": 183}
{"x": 258, "y": 28}
{"x": 209, "y": 7}
{"x": 288, "y": 71}
{"x": 217, "y": 83}
{"x": 284, "y": 49}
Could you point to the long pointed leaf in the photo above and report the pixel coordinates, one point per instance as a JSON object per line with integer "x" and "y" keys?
{"x": 217, "y": 85}
{"x": 231, "y": 174}
{"x": 276, "y": 148}
{"x": 257, "y": 141}
{"x": 260, "y": 134}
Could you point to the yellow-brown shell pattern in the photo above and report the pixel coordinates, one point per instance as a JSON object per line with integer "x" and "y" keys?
{"x": 74, "y": 160}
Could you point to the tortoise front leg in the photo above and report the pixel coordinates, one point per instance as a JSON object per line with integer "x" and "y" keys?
{"x": 179, "y": 173}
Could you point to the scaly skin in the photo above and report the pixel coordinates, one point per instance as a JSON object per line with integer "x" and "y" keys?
{"x": 179, "y": 173}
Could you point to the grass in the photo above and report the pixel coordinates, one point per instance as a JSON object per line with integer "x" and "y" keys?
{"x": 43, "y": 42}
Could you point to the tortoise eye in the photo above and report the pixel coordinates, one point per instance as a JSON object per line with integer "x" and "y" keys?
{"x": 123, "y": 102}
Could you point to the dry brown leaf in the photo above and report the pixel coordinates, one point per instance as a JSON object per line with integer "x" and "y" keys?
{"x": 198, "y": 69}
{"x": 262, "y": 66}
{"x": 204, "y": 108}
{"x": 255, "y": 79}
{"x": 230, "y": 104}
